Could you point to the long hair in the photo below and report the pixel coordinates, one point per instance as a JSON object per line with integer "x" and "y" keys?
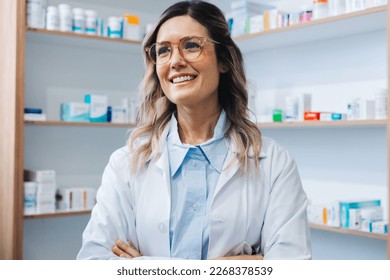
{"x": 156, "y": 109}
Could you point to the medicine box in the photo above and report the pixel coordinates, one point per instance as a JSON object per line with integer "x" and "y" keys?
{"x": 242, "y": 11}
{"x": 97, "y": 107}
{"x": 332, "y": 214}
{"x": 379, "y": 227}
{"x": 119, "y": 114}
{"x": 30, "y": 198}
{"x": 131, "y": 26}
{"x": 74, "y": 112}
{"x": 311, "y": 116}
{"x": 345, "y": 207}
{"x": 362, "y": 217}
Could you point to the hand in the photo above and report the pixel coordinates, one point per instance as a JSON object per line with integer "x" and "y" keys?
{"x": 241, "y": 257}
{"x": 125, "y": 250}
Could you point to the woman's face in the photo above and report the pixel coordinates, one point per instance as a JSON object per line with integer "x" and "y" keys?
{"x": 200, "y": 85}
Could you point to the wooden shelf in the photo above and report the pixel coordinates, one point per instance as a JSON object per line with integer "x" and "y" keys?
{"x": 72, "y": 39}
{"x": 368, "y": 20}
{"x": 88, "y": 124}
{"x": 350, "y": 231}
{"x": 365, "y": 123}
{"x": 360, "y": 22}
{"x": 58, "y": 214}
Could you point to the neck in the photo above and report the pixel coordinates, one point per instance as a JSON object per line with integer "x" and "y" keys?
{"x": 197, "y": 127}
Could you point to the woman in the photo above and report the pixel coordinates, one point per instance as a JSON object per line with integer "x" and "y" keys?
{"x": 197, "y": 180}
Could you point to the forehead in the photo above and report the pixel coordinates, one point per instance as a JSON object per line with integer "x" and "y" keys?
{"x": 181, "y": 26}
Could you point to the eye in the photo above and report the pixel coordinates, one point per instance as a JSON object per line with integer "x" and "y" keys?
{"x": 192, "y": 45}
{"x": 163, "y": 50}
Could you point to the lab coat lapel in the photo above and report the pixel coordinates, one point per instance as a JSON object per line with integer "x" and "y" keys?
{"x": 160, "y": 176}
{"x": 229, "y": 169}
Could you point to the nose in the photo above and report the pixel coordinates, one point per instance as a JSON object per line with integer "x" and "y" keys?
{"x": 177, "y": 60}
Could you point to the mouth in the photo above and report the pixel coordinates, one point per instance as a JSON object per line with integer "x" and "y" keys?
{"x": 182, "y": 79}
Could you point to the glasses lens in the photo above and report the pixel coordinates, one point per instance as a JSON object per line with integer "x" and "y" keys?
{"x": 191, "y": 48}
{"x": 160, "y": 52}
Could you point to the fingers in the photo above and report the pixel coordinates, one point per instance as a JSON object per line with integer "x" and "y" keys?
{"x": 134, "y": 250}
{"x": 125, "y": 250}
{"x": 119, "y": 252}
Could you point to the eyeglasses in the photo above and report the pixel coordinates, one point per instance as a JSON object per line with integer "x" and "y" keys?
{"x": 190, "y": 49}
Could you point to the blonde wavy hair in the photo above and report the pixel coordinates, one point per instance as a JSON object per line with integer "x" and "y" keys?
{"x": 156, "y": 109}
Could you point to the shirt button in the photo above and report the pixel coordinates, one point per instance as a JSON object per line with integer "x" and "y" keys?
{"x": 195, "y": 206}
{"x": 194, "y": 162}
{"x": 162, "y": 227}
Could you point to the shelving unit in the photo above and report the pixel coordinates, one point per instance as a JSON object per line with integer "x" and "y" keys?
{"x": 364, "y": 21}
{"x": 301, "y": 59}
{"x": 58, "y": 214}
{"x": 19, "y": 132}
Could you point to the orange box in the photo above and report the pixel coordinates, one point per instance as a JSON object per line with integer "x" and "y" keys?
{"x": 312, "y": 116}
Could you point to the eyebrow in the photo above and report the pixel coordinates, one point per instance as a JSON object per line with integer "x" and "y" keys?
{"x": 166, "y": 41}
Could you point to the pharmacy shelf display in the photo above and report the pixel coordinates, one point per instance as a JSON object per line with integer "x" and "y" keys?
{"x": 324, "y": 29}
{"x": 317, "y": 30}
{"x": 328, "y": 28}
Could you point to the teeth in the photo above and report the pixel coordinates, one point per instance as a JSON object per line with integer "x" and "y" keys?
{"x": 182, "y": 79}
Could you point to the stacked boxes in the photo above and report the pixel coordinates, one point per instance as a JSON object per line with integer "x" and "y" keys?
{"x": 41, "y": 195}
{"x": 30, "y": 198}
{"x": 45, "y": 183}
{"x": 242, "y": 11}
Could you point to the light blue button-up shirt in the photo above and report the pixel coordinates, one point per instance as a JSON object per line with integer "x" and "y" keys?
{"x": 194, "y": 172}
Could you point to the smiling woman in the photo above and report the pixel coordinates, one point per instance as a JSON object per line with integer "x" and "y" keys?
{"x": 197, "y": 180}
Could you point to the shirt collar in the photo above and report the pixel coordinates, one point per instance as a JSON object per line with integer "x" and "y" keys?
{"x": 214, "y": 149}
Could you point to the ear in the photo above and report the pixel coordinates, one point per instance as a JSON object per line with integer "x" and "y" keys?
{"x": 223, "y": 68}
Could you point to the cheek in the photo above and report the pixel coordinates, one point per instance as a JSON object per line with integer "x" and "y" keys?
{"x": 161, "y": 74}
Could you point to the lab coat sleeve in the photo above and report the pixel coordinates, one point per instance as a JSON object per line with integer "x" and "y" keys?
{"x": 112, "y": 217}
{"x": 286, "y": 233}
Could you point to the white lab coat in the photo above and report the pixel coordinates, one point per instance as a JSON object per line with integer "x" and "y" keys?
{"x": 264, "y": 211}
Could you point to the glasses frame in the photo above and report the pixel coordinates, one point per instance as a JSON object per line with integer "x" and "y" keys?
{"x": 202, "y": 41}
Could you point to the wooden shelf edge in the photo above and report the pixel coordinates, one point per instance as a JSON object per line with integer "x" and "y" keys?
{"x": 84, "y": 36}
{"x": 374, "y": 123}
{"x": 312, "y": 23}
{"x": 58, "y": 214}
{"x": 88, "y": 124}
{"x": 323, "y": 124}
{"x": 350, "y": 231}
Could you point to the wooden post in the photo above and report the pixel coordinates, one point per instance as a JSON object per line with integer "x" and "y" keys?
{"x": 12, "y": 53}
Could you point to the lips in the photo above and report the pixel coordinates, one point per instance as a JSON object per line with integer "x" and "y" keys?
{"x": 181, "y": 79}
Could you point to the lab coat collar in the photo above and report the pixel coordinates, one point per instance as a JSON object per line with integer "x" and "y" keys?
{"x": 162, "y": 161}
